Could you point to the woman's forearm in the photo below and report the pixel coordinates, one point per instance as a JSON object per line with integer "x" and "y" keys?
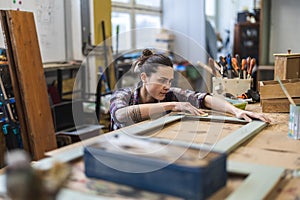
{"x": 136, "y": 113}
{"x": 219, "y": 104}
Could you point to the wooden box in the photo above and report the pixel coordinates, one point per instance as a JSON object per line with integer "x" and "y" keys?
{"x": 273, "y": 99}
{"x": 167, "y": 169}
{"x": 235, "y": 87}
{"x": 287, "y": 66}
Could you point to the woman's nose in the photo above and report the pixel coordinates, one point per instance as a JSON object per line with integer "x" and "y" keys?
{"x": 167, "y": 85}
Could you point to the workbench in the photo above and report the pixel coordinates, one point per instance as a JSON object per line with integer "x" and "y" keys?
{"x": 59, "y": 70}
{"x": 271, "y": 147}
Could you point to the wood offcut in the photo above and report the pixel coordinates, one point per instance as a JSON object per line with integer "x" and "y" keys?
{"x": 28, "y": 81}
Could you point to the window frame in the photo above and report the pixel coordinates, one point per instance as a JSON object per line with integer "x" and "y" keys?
{"x": 133, "y": 9}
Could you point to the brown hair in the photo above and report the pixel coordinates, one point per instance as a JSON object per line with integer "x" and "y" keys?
{"x": 148, "y": 62}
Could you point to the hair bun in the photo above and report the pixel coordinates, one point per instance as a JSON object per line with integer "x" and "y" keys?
{"x": 147, "y": 52}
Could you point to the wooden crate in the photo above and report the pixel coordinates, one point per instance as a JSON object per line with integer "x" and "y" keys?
{"x": 273, "y": 98}
{"x": 287, "y": 66}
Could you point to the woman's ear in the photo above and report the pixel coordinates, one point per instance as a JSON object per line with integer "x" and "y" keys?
{"x": 143, "y": 77}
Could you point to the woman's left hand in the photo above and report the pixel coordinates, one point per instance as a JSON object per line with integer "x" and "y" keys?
{"x": 248, "y": 116}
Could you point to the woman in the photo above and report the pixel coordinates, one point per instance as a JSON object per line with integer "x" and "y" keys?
{"x": 154, "y": 96}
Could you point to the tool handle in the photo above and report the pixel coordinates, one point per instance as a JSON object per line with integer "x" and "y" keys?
{"x": 244, "y": 62}
{"x": 211, "y": 64}
{"x": 234, "y": 64}
{"x": 244, "y": 69}
{"x": 252, "y": 64}
{"x": 229, "y": 67}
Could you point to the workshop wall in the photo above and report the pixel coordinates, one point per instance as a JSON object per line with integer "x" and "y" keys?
{"x": 73, "y": 30}
{"x": 50, "y": 24}
{"x": 227, "y": 13}
{"x": 284, "y": 27}
{"x": 187, "y": 20}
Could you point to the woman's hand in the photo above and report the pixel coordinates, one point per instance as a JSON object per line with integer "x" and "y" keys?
{"x": 187, "y": 107}
{"x": 247, "y": 115}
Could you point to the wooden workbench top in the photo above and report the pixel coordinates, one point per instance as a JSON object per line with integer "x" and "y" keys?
{"x": 271, "y": 147}
{"x": 61, "y": 65}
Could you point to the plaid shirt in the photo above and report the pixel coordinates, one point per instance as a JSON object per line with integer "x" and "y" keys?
{"x": 130, "y": 96}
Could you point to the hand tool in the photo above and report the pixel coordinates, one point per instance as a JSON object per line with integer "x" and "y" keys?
{"x": 252, "y": 64}
{"x": 235, "y": 66}
{"x": 243, "y": 69}
{"x": 217, "y": 66}
{"x": 238, "y": 60}
{"x": 248, "y": 64}
{"x": 222, "y": 63}
{"x": 212, "y": 66}
{"x": 229, "y": 67}
{"x": 216, "y": 69}
{"x": 220, "y": 68}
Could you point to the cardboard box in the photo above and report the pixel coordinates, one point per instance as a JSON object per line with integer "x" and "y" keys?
{"x": 235, "y": 87}
{"x": 287, "y": 66}
{"x": 146, "y": 165}
{"x": 272, "y": 97}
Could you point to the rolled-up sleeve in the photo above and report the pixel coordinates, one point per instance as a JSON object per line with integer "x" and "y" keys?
{"x": 119, "y": 99}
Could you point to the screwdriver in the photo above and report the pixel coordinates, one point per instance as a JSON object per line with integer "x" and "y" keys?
{"x": 244, "y": 70}
{"x": 229, "y": 67}
{"x": 238, "y": 60}
{"x": 235, "y": 67}
{"x": 222, "y": 63}
{"x": 252, "y": 64}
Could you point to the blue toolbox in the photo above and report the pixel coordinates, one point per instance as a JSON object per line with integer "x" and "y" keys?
{"x": 147, "y": 165}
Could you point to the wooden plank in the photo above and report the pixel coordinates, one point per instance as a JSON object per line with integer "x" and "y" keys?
{"x": 277, "y": 105}
{"x": 271, "y": 140}
{"x": 280, "y": 68}
{"x": 260, "y": 181}
{"x": 72, "y": 194}
{"x": 25, "y": 59}
{"x": 287, "y": 160}
{"x": 232, "y": 141}
{"x": 289, "y": 189}
{"x": 292, "y": 55}
{"x": 14, "y": 80}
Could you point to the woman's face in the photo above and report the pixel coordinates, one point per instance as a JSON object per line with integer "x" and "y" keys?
{"x": 159, "y": 83}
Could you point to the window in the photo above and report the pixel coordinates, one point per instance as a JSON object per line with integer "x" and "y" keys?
{"x": 210, "y": 11}
{"x": 146, "y": 37}
{"x": 135, "y": 15}
{"x": 152, "y": 3}
{"x": 121, "y": 19}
